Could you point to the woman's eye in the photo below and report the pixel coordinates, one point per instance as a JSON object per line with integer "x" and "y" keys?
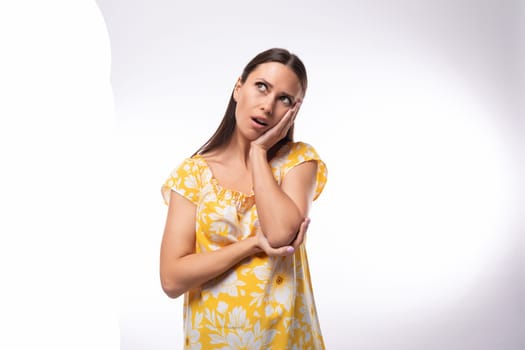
{"x": 286, "y": 100}
{"x": 261, "y": 86}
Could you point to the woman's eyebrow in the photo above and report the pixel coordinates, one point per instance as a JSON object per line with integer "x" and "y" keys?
{"x": 266, "y": 82}
{"x": 270, "y": 85}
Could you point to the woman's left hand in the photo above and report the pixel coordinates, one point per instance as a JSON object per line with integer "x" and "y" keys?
{"x": 279, "y": 130}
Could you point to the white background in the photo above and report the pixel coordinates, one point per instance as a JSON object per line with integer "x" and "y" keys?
{"x": 417, "y": 240}
{"x": 413, "y": 106}
{"x": 57, "y": 236}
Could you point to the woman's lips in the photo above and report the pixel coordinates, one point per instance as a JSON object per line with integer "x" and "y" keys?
{"x": 259, "y": 122}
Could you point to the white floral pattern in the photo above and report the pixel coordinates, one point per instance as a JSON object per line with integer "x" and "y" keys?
{"x": 264, "y": 302}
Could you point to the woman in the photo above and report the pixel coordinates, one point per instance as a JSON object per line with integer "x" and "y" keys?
{"x": 237, "y": 216}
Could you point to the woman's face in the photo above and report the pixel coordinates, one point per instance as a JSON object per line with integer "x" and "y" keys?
{"x": 269, "y": 91}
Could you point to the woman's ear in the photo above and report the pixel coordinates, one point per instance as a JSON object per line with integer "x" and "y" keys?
{"x": 236, "y": 89}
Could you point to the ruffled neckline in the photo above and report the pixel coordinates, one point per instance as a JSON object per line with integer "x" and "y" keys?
{"x": 242, "y": 199}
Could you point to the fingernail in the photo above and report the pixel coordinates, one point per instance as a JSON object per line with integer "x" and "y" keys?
{"x": 290, "y": 249}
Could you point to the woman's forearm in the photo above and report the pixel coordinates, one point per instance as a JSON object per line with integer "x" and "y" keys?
{"x": 192, "y": 270}
{"x": 279, "y": 216}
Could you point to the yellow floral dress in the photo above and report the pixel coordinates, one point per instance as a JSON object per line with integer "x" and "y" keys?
{"x": 263, "y": 302}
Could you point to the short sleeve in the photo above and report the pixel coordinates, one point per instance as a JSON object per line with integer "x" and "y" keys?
{"x": 302, "y": 152}
{"x": 185, "y": 180}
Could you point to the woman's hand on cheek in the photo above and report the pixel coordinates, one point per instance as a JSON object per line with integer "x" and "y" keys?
{"x": 278, "y": 131}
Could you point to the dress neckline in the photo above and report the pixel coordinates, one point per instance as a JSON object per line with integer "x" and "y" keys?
{"x": 221, "y": 189}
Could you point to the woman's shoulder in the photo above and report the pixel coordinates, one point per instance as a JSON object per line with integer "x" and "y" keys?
{"x": 295, "y": 153}
{"x": 189, "y": 166}
{"x": 298, "y": 149}
{"x": 292, "y": 154}
{"x": 195, "y": 160}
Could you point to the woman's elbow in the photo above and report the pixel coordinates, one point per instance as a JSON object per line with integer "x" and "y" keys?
{"x": 284, "y": 234}
{"x": 281, "y": 239}
{"x": 170, "y": 288}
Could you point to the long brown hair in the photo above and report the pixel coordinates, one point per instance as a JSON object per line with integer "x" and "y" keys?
{"x": 225, "y": 130}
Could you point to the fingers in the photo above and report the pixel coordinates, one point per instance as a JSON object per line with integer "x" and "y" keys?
{"x": 302, "y": 231}
{"x": 295, "y": 109}
{"x": 290, "y": 115}
{"x": 297, "y": 106}
{"x": 268, "y": 250}
{"x": 288, "y": 119}
{"x": 281, "y": 251}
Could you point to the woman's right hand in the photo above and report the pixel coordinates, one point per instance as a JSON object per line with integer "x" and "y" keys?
{"x": 262, "y": 242}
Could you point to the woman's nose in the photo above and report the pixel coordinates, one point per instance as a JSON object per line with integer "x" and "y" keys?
{"x": 267, "y": 106}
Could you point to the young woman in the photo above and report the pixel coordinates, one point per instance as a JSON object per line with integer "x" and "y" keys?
{"x": 237, "y": 216}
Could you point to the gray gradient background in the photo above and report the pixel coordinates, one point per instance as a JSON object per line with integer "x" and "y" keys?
{"x": 417, "y": 108}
